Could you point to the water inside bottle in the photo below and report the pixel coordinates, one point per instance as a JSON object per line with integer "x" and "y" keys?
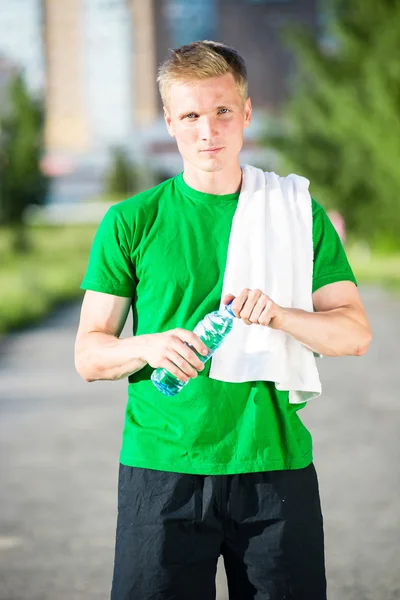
{"x": 167, "y": 383}
{"x": 212, "y": 331}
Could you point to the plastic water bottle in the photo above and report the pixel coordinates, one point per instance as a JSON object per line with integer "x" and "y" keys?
{"x": 212, "y": 330}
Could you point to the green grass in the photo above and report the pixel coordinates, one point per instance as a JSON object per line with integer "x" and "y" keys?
{"x": 50, "y": 273}
{"x": 374, "y": 267}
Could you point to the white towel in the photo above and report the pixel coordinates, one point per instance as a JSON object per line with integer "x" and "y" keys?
{"x": 271, "y": 249}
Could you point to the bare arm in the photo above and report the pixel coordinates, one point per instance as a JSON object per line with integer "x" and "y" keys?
{"x": 338, "y": 327}
{"x": 101, "y": 354}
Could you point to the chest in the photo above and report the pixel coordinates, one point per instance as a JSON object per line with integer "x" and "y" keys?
{"x": 183, "y": 249}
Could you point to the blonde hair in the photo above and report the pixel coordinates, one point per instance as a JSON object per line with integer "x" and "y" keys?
{"x": 201, "y": 60}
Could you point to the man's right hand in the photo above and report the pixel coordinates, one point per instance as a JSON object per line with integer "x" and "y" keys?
{"x": 100, "y": 354}
{"x": 171, "y": 350}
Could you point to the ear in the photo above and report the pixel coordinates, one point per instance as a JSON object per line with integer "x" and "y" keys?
{"x": 247, "y": 112}
{"x": 168, "y": 122}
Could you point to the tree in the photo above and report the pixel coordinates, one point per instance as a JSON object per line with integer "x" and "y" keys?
{"x": 341, "y": 129}
{"x": 123, "y": 178}
{"x": 126, "y": 177}
{"x": 21, "y": 146}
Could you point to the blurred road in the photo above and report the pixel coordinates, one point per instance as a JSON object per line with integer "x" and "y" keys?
{"x": 59, "y": 444}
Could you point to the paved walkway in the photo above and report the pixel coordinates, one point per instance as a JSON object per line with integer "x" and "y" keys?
{"x": 59, "y": 444}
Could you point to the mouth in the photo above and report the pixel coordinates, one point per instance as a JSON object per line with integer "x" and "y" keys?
{"x": 211, "y": 150}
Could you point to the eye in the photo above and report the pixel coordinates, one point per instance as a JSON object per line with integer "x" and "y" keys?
{"x": 190, "y": 116}
{"x": 223, "y": 111}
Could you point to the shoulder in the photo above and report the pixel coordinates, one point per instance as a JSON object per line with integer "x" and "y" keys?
{"x": 291, "y": 181}
{"x": 317, "y": 208}
{"x": 126, "y": 220}
{"x": 130, "y": 209}
{"x": 294, "y": 187}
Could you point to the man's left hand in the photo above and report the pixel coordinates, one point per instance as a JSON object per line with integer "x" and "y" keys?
{"x": 254, "y": 307}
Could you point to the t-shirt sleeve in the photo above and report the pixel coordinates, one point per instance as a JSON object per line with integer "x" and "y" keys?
{"x": 110, "y": 268}
{"x": 330, "y": 260}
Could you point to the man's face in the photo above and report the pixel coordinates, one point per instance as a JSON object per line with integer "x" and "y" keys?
{"x": 207, "y": 118}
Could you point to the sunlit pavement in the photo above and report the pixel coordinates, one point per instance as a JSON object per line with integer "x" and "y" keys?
{"x": 59, "y": 444}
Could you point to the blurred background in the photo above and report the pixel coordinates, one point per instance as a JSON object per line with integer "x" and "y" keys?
{"x": 81, "y": 127}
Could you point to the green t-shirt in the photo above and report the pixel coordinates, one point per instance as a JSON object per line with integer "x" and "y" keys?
{"x": 166, "y": 248}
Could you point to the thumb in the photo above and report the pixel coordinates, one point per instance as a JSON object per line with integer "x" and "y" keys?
{"x": 228, "y": 298}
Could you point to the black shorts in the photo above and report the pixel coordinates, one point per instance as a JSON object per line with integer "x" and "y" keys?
{"x": 172, "y": 528}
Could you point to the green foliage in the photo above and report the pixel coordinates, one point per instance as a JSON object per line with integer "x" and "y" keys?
{"x": 21, "y": 146}
{"x": 341, "y": 128}
{"x": 124, "y": 178}
{"x": 32, "y": 284}
{"x": 375, "y": 267}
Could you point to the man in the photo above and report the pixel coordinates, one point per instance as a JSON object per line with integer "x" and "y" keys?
{"x": 221, "y": 468}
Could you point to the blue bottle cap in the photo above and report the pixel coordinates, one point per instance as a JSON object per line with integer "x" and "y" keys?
{"x": 229, "y": 309}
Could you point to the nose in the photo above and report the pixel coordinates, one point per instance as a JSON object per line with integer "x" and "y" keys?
{"x": 207, "y": 128}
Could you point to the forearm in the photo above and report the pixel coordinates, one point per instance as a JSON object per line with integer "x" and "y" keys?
{"x": 102, "y": 356}
{"x": 332, "y": 333}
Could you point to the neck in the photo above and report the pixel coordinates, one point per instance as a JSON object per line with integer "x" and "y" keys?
{"x": 219, "y": 183}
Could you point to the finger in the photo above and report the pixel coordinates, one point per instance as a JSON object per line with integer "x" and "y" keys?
{"x": 267, "y": 314}
{"x": 258, "y": 309}
{"x": 228, "y": 298}
{"x": 252, "y": 299}
{"x": 190, "y": 354}
{"x": 174, "y": 370}
{"x": 193, "y": 340}
{"x": 239, "y": 302}
{"x": 182, "y": 364}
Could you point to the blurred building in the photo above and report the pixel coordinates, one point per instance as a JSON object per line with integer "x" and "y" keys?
{"x": 21, "y": 40}
{"x": 96, "y": 63}
{"x": 102, "y": 57}
{"x": 67, "y": 124}
{"x": 254, "y": 27}
{"x": 89, "y": 90}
